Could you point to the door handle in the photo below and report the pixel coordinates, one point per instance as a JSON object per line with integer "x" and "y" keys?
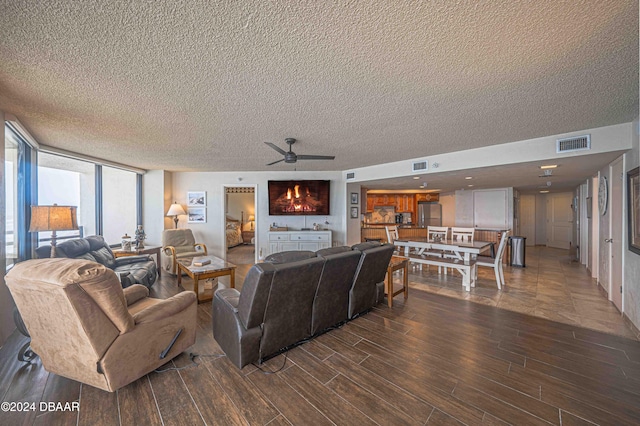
{"x": 608, "y": 240}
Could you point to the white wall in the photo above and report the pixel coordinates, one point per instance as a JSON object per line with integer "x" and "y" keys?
{"x": 212, "y": 232}
{"x": 353, "y": 225}
{"x": 603, "y": 139}
{"x": 631, "y": 286}
{"x": 541, "y": 219}
{"x": 603, "y": 226}
{"x": 448, "y": 202}
{"x": 156, "y": 193}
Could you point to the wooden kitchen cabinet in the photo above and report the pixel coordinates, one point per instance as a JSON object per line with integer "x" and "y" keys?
{"x": 427, "y": 197}
{"x": 403, "y": 203}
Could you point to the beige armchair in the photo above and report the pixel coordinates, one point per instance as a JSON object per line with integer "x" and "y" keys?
{"x": 179, "y": 244}
{"x": 86, "y": 327}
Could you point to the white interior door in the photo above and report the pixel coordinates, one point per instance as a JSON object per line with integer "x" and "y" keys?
{"x": 616, "y": 218}
{"x": 528, "y": 218}
{"x": 559, "y": 220}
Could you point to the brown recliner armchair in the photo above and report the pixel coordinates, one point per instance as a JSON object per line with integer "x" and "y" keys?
{"x": 179, "y": 244}
{"x": 86, "y": 327}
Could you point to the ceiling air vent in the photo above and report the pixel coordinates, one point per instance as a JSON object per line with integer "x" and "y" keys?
{"x": 578, "y": 143}
{"x": 419, "y": 166}
{"x": 351, "y": 175}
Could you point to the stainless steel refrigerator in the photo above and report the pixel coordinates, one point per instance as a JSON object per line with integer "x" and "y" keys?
{"x": 429, "y": 214}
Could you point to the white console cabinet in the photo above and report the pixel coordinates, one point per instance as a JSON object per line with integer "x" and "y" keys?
{"x": 298, "y": 240}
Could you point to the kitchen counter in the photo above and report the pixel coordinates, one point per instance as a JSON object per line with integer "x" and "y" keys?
{"x": 377, "y": 232}
{"x": 382, "y": 225}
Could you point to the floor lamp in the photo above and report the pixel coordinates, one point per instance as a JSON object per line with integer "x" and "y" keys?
{"x": 175, "y": 210}
{"x": 53, "y": 218}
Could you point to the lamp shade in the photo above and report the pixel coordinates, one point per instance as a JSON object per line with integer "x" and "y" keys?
{"x": 53, "y": 218}
{"x": 175, "y": 210}
{"x": 251, "y": 218}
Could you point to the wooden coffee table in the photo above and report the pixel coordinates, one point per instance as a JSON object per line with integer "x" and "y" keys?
{"x": 217, "y": 268}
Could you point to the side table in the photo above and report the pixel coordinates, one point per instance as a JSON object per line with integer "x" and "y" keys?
{"x": 247, "y": 237}
{"x": 147, "y": 250}
{"x": 397, "y": 263}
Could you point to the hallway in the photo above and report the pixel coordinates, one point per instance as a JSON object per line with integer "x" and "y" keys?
{"x": 550, "y": 287}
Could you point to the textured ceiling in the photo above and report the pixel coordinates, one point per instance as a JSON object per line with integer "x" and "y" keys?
{"x": 200, "y": 85}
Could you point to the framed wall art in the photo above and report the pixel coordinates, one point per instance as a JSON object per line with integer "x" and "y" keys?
{"x": 197, "y": 214}
{"x": 354, "y": 198}
{"x": 196, "y": 199}
{"x": 354, "y": 212}
{"x": 633, "y": 210}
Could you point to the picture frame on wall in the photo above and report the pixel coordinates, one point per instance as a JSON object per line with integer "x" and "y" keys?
{"x": 354, "y": 212}
{"x": 633, "y": 209}
{"x": 354, "y": 198}
{"x": 196, "y": 198}
{"x": 197, "y": 215}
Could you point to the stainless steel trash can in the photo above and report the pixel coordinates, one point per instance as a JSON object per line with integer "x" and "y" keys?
{"x": 517, "y": 245}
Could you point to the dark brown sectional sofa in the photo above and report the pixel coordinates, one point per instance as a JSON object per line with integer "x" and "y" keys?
{"x": 294, "y": 296}
{"x": 135, "y": 269}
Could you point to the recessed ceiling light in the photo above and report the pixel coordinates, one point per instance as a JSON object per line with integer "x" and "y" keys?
{"x": 469, "y": 186}
{"x": 416, "y": 177}
{"x": 421, "y": 186}
{"x": 543, "y": 192}
{"x": 469, "y": 177}
{"x": 550, "y": 166}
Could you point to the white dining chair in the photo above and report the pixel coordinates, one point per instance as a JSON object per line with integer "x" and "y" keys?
{"x": 437, "y": 232}
{"x": 495, "y": 263}
{"x": 462, "y": 234}
{"x": 392, "y": 236}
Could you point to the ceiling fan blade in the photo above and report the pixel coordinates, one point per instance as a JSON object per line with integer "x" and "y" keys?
{"x": 277, "y": 148}
{"x": 316, "y": 157}
{"x": 282, "y": 159}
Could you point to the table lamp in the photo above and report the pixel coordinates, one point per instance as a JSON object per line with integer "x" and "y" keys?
{"x": 53, "y": 218}
{"x": 251, "y": 219}
{"x": 175, "y": 210}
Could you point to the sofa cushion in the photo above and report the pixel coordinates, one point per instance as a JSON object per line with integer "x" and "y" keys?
{"x": 333, "y": 250}
{"x": 366, "y": 246}
{"x": 289, "y": 256}
{"x": 104, "y": 256}
{"x": 139, "y": 273}
{"x": 178, "y": 238}
{"x": 72, "y": 248}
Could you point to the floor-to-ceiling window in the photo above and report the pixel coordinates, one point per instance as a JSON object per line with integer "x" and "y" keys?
{"x": 67, "y": 182}
{"x": 108, "y": 196}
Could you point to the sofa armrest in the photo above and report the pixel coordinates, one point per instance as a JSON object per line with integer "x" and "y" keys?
{"x": 166, "y": 308}
{"x": 229, "y": 297}
{"x": 169, "y": 251}
{"x": 134, "y": 293}
{"x": 200, "y": 247}
{"x": 241, "y": 345}
{"x": 127, "y": 260}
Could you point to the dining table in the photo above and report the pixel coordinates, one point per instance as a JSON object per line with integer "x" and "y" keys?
{"x": 463, "y": 250}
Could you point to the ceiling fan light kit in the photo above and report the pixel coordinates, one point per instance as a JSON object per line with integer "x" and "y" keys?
{"x": 291, "y": 157}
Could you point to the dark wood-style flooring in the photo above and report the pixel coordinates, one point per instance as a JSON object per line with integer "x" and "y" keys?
{"x": 429, "y": 360}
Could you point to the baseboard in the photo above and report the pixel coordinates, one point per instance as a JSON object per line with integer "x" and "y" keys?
{"x": 631, "y": 325}
{"x": 604, "y": 292}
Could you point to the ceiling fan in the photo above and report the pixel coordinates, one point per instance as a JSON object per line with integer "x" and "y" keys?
{"x": 291, "y": 157}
